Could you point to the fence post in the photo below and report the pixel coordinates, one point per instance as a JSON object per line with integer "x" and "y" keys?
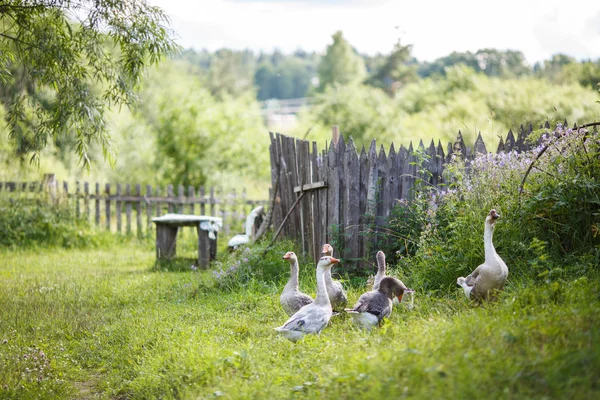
{"x": 138, "y": 209}
{"x": 119, "y": 208}
{"x": 107, "y": 208}
{"x": 50, "y": 182}
{"x": 128, "y": 209}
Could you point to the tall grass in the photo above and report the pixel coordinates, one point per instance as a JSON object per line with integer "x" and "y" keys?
{"x": 103, "y": 323}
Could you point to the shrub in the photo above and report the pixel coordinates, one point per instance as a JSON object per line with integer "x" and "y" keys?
{"x": 30, "y": 222}
{"x": 548, "y": 231}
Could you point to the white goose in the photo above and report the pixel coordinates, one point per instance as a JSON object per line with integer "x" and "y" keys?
{"x": 373, "y": 306}
{"x": 335, "y": 290}
{"x": 311, "y": 318}
{"x": 248, "y": 236}
{"x": 489, "y": 277}
{"x": 292, "y": 299}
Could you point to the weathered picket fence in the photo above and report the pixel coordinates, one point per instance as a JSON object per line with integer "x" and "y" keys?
{"x": 339, "y": 194}
{"x": 129, "y": 208}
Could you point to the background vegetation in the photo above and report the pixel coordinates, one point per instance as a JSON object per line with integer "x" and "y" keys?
{"x": 198, "y": 118}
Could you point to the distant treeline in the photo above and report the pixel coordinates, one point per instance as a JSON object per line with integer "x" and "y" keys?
{"x": 277, "y": 75}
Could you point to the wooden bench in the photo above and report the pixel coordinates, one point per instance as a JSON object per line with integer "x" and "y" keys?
{"x": 207, "y": 227}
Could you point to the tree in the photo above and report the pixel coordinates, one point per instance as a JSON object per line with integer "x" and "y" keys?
{"x": 340, "y": 64}
{"x": 231, "y": 73}
{"x": 394, "y": 71}
{"x": 64, "y": 63}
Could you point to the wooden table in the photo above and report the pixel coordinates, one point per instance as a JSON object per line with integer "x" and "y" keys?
{"x": 207, "y": 227}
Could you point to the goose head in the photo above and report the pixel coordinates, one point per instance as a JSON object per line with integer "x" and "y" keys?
{"x": 492, "y": 217}
{"x": 327, "y": 262}
{"x": 290, "y": 256}
{"x": 327, "y": 250}
{"x": 393, "y": 287}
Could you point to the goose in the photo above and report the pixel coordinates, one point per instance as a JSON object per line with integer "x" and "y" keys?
{"x": 311, "y": 318}
{"x": 335, "y": 290}
{"x": 373, "y": 306}
{"x": 291, "y": 298}
{"x": 244, "y": 238}
{"x": 489, "y": 277}
{"x": 381, "y": 273}
{"x": 381, "y": 269}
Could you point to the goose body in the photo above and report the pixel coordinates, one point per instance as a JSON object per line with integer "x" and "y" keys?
{"x": 489, "y": 277}
{"x": 292, "y": 299}
{"x": 311, "y": 318}
{"x": 372, "y": 307}
{"x": 246, "y": 237}
{"x": 335, "y": 290}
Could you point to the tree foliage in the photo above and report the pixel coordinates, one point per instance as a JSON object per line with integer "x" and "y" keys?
{"x": 340, "y": 64}
{"x": 64, "y": 63}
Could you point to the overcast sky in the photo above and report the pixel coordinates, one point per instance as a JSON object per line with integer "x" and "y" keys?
{"x": 434, "y": 28}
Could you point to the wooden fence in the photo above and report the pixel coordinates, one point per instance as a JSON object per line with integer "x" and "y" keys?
{"x": 129, "y": 208}
{"x": 342, "y": 194}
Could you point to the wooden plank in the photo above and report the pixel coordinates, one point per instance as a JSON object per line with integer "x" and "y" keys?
{"x": 351, "y": 192}
{"x": 86, "y": 200}
{"x": 310, "y": 186}
{"x": 191, "y": 197}
{"x": 279, "y": 197}
{"x": 158, "y": 203}
{"x": 107, "y": 206}
{"x": 202, "y": 197}
{"x": 138, "y": 211}
{"x": 119, "y": 209}
{"x": 408, "y": 172}
{"x": 322, "y": 199}
{"x": 333, "y": 203}
{"x": 97, "y": 201}
{"x": 212, "y": 202}
{"x": 180, "y": 199}
{"x": 148, "y": 209}
{"x": 382, "y": 194}
{"x": 128, "y": 210}
{"x": 364, "y": 219}
{"x": 401, "y": 160}
{"x": 301, "y": 162}
{"x": 77, "y": 199}
{"x": 170, "y": 204}
{"x": 440, "y": 161}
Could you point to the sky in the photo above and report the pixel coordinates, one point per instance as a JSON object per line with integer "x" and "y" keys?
{"x": 538, "y": 29}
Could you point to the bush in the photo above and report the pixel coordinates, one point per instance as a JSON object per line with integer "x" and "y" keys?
{"x": 30, "y": 222}
{"x": 547, "y": 232}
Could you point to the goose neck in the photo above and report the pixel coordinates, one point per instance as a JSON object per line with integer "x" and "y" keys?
{"x": 488, "y": 234}
{"x": 293, "y": 282}
{"x": 322, "y": 298}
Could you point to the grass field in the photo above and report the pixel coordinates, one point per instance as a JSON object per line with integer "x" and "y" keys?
{"x": 105, "y": 323}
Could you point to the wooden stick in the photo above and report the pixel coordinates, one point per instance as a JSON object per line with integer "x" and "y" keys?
{"x": 284, "y": 221}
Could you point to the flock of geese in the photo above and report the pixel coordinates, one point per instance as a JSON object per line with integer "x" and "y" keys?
{"x": 310, "y": 316}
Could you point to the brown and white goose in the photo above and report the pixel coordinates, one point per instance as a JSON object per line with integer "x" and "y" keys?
{"x": 292, "y": 299}
{"x": 373, "y": 306}
{"x": 489, "y": 277}
{"x": 311, "y": 318}
{"x": 335, "y": 290}
{"x": 409, "y": 300}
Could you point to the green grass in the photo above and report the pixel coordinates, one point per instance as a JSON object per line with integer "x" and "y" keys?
{"x": 111, "y": 325}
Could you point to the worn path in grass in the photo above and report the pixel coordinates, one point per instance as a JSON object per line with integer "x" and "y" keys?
{"x": 104, "y": 324}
